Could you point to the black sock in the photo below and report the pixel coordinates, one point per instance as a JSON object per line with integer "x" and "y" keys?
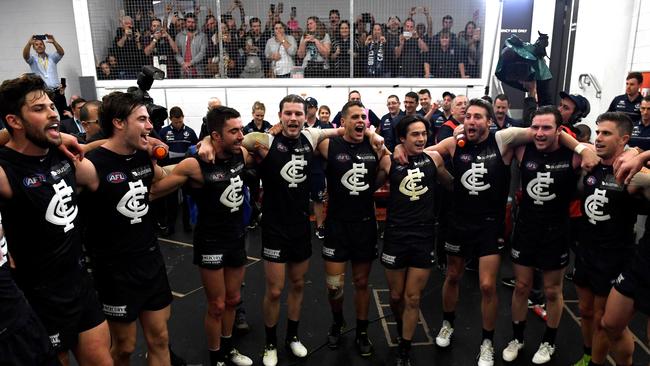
{"x": 404, "y": 347}
{"x": 518, "y": 330}
{"x": 292, "y": 329}
{"x": 271, "y": 336}
{"x": 362, "y": 326}
{"x": 215, "y": 356}
{"x": 488, "y": 334}
{"x": 549, "y": 335}
{"x": 226, "y": 345}
{"x": 449, "y": 316}
{"x": 338, "y": 317}
{"x": 399, "y": 324}
{"x": 587, "y": 350}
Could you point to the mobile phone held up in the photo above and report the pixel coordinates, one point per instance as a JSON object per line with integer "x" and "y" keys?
{"x": 41, "y": 37}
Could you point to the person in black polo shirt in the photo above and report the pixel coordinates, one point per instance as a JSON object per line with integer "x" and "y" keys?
{"x": 503, "y": 120}
{"x": 641, "y": 131}
{"x": 258, "y": 124}
{"x": 630, "y": 102}
{"x": 179, "y": 137}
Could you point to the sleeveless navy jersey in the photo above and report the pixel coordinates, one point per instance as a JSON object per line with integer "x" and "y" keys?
{"x": 11, "y": 299}
{"x": 121, "y": 223}
{"x": 41, "y": 220}
{"x": 610, "y": 211}
{"x": 411, "y": 200}
{"x": 351, "y": 173}
{"x": 481, "y": 179}
{"x": 285, "y": 173}
{"x": 548, "y": 183}
{"x": 219, "y": 201}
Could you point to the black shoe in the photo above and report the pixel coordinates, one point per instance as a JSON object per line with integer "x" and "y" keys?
{"x": 320, "y": 232}
{"x": 569, "y": 274}
{"x": 175, "y": 359}
{"x": 241, "y": 325}
{"x": 509, "y": 282}
{"x": 334, "y": 335}
{"x": 402, "y": 360}
{"x": 364, "y": 346}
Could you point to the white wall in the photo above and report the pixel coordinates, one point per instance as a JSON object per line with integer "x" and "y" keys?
{"x": 23, "y": 18}
{"x": 602, "y": 48}
{"x": 641, "y": 52}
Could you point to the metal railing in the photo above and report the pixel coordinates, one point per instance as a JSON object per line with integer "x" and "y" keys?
{"x": 585, "y": 80}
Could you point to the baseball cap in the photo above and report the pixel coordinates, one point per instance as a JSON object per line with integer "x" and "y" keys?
{"x": 582, "y": 104}
{"x": 311, "y": 102}
{"x": 447, "y": 93}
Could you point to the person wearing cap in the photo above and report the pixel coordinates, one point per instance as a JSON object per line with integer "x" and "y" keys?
{"x": 317, "y": 192}
{"x": 641, "y": 131}
{"x": 630, "y": 102}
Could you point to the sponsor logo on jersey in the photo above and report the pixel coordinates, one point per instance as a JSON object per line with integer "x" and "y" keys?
{"x": 486, "y": 157}
{"x": 388, "y": 259}
{"x": 61, "y": 169}
{"x": 538, "y": 188}
{"x": 281, "y": 147}
{"x": 366, "y": 157}
{"x": 141, "y": 172}
{"x": 61, "y": 211}
{"x": 272, "y": 253}
{"x": 212, "y": 259}
{"x": 328, "y": 252}
{"x": 594, "y": 204}
{"x": 116, "y": 177}
{"x": 353, "y": 179}
{"x": 293, "y": 171}
{"x": 114, "y": 310}
{"x": 133, "y": 204}
{"x": 472, "y": 179}
{"x": 34, "y": 181}
{"x": 559, "y": 166}
{"x": 466, "y": 158}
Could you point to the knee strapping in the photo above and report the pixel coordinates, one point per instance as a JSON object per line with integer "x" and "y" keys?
{"x": 335, "y": 286}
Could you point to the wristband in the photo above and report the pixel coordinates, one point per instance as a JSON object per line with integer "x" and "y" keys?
{"x": 578, "y": 149}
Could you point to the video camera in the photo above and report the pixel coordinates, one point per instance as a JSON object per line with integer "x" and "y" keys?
{"x": 157, "y": 113}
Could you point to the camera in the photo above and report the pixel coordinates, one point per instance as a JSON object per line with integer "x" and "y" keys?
{"x": 40, "y": 37}
{"x": 157, "y": 113}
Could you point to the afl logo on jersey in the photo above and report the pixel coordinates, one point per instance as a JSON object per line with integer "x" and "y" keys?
{"x": 591, "y": 180}
{"x": 281, "y": 148}
{"x": 343, "y": 158}
{"x": 466, "y": 158}
{"x": 34, "y": 181}
{"x": 531, "y": 165}
{"x": 116, "y": 177}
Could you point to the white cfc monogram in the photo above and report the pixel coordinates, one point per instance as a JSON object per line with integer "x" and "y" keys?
{"x": 594, "y": 206}
{"x": 472, "y": 179}
{"x": 293, "y": 170}
{"x": 132, "y": 204}
{"x": 353, "y": 179}
{"x": 538, "y": 188}
{"x": 60, "y": 211}
{"x": 231, "y": 196}
{"x": 410, "y": 185}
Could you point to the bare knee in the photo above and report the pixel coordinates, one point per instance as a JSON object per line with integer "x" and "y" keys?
{"x": 522, "y": 289}
{"x": 488, "y": 288}
{"x": 123, "y": 347}
{"x": 216, "y": 308}
{"x": 453, "y": 275}
{"x": 412, "y": 300}
{"x": 361, "y": 283}
{"x": 298, "y": 285}
{"x": 158, "y": 340}
{"x": 273, "y": 293}
{"x": 395, "y": 297}
{"x": 233, "y": 300}
{"x": 553, "y": 294}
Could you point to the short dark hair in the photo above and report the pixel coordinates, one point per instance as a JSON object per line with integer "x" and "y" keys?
{"x": 293, "y": 98}
{"x": 646, "y": 98}
{"x": 488, "y": 99}
{"x": 253, "y": 20}
{"x": 190, "y": 15}
{"x": 478, "y": 102}
{"x": 281, "y": 23}
{"x": 635, "y": 75}
{"x": 548, "y": 109}
{"x": 348, "y": 105}
{"x": 621, "y": 120}
{"x": 425, "y": 91}
{"x": 13, "y": 95}
{"x": 409, "y": 20}
{"x": 175, "y": 112}
{"x": 393, "y": 96}
{"x": 335, "y": 11}
{"x": 117, "y": 105}
{"x": 503, "y": 98}
{"x": 85, "y": 110}
{"x": 352, "y": 92}
{"x": 413, "y": 95}
{"x": 403, "y": 125}
{"x": 74, "y": 103}
{"x": 218, "y": 116}
{"x": 447, "y": 17}
{"x": 444, "y": 34}
{"x": 154, "y": 20}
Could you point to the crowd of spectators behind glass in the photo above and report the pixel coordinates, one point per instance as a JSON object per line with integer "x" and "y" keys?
{"x": 191, "y": 45}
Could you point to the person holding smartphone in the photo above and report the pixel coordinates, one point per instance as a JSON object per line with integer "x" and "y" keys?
{"x": 44, "y": 64}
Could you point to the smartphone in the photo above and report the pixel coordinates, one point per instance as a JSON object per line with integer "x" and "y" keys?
{"x": 41, "y": 37}
{"x": 293, "y": 12}
{"x": 273, "y": 8}
{"x": 63, "y": 82}
{"x": 280, "y": 8}
{"x": 407, "y": 35}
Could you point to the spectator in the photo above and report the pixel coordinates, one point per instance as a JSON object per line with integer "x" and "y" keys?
{"x": 388, "y": 122}
{"x": 372, "y": 120}
{"x": 258, "y": 124}
{"x": 324, "y": 114}
{"x": 443, "y": 61}
{"x": 128, "y": 48}
{"x": 210, "y": 26}
{"x": 73, "y": 125}
{"x": 255, "y": 42}
{"x": 641, "y": 131}
{"x": 465, "y": 36}
{"x": 314, "y": 49}
{"x": 160, "y": 47}
{"x": 363, "y": 27}
{"x": 177, "y": 25}
{"x": 280, "y": 49}
{"x": 375, "y": 44}
{"x": 104, "y": 72}
{"x": 503, "y": 120}
{"x": 411, "y": 100}
{"x": 458, "y": 108}
{"x": 213, "y": 103}
{"x": 409, "y": 52}
{"x": 469, "y": 46}
{"x": 583, "y": 133}
{"x": 191, "y": 45}
{"x": 393, "y": 34}
{"x": 630, "y": 102}
{"x": 89, "y": 116}
{"x": 335, "y": 23}
{"x": 229, "y": 56}
{"x": 341, "y": 53}
{"x": 43, "y": 64}
{"x": 447, "y": 24}
{"x": 425, "y": 31}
